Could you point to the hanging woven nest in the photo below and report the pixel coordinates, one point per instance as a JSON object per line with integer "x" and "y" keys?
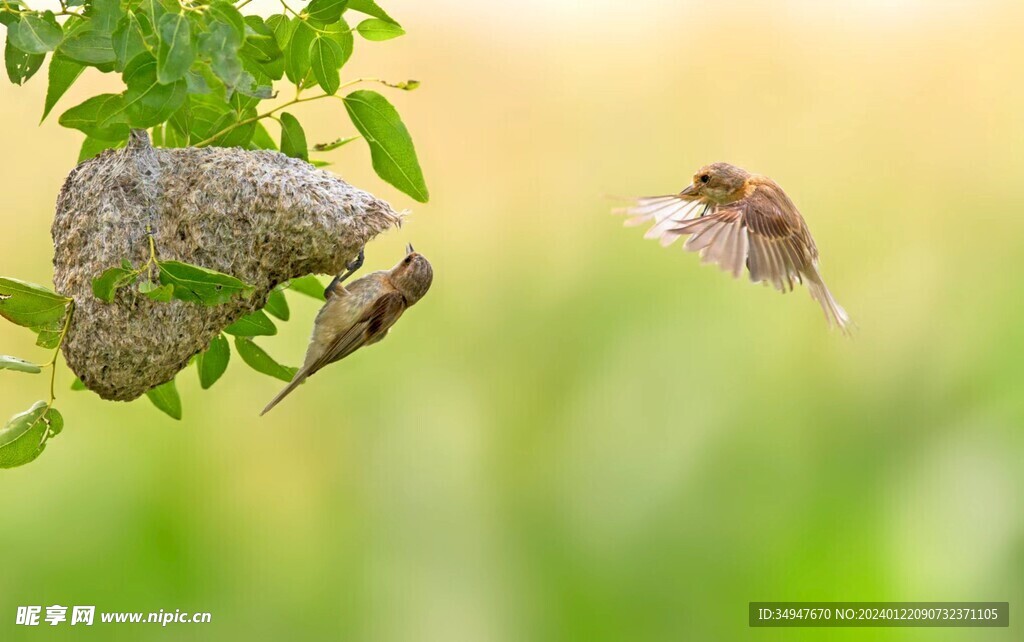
{"x": 259, "y": 216}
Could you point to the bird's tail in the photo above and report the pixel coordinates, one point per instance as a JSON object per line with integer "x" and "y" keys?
{"x": 300, "y": 376}
{"x": 834, "y": 313}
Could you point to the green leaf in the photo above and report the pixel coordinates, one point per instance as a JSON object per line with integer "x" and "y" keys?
{"x": 282, "y": 28}
{"x": 213, "y": 362}
{"x": 156, "y": 9}
{"x": 147, "y": 102}
{"x": 268, "y": 71}
{"x": 261, "y": 138}
{"x": 220, "y": 37}
{"x": 24, "y": 436}
{"x": 391, "y": 149}
{"x": 293, "y": 139}
{"x": 201, "y": 119}
{"x": 77, "y": 385}
{"x": 255, "y": 324}
{"x": 104, "y": 14}
{"x": 35, "y": 34}
{"x": 8, "y": 362}
{"x": 200, "y": 285}
{"x": 221, "y": 44}
{"x": 239, "y": 136}
{"x": 20, "y": 65}
{"x": 251, "y": 88}
{"x": 325, "y": 59}
{"x": 325, "y": 12}
{"x": 377, "y": 30}
{"x": 296, "y": 60}
{"x": 62, "y": 73}
{"x": 174, "y": 55}
{"x": 75, "y": 24}
{"x": 156, "y": 136}
{"x": 181, "y": 120}
{"x": 89, "y": 47}
{"x": 172, "y": 138}
{"x": 30, "y": 305}
{"x": 340, "y": 34}
{"x": 49, "y": 334}
{"x": 257, "y": 359}
{"x": 277, "y": 304}
{"x": 196, "y": 83}
{"x": 161, "y": 293}
{"x": 56, "y": 421}
{"x": 210, "y": 115}
{"x": 371, "y": 8}
{"x": 334, "y": 144}
{"x": 92, "y": 147}
{"x": 260, "y": 43}
{"x": 100, "y": 117}
{"x": 9, "y": 12}
{"x": 127, "y": 40}
{"x": 166, "y": 398}
{"x": 226, "y": 13}
{"x": 308, "y": 285}
{"x": 106, "y": 285}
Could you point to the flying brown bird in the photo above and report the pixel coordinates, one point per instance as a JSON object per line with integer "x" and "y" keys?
{"x": 736, "y": 219}
{"x": 361, "y": 314}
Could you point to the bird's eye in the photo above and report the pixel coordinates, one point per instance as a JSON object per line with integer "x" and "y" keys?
{"x": 705, "y": 178}
{"x": 408, "y": 260}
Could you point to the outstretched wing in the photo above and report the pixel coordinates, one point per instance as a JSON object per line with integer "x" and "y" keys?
{"x": 666, "y": 212}
{"x": 762, "y": 231}
{"x": 765, "y": 232}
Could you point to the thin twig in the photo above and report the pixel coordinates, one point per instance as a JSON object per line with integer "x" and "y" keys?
{"x": 253, "y": 119}
{"x": 291, "y": 102}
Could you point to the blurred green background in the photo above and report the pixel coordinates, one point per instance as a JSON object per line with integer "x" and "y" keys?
{"x": 578, "y": 435}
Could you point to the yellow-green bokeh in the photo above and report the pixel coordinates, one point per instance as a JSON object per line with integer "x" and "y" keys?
{"x": 578, "y": 435}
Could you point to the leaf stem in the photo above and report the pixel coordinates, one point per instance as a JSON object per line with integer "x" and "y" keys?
{"x": 56, "y": 352}
{"x": 18, "y": 12}
{"x": 287, "y": 8}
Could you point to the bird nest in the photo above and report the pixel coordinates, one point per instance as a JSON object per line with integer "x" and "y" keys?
{"x": 256, "y": 215}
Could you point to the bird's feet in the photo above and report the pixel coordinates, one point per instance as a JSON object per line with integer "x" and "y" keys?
{"x": 356, "y": 263}
{"x": 350, "y": 268}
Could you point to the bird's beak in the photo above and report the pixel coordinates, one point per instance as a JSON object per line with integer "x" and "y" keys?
{"x": 408, "y": 249}
{"x": 691, "y": 190}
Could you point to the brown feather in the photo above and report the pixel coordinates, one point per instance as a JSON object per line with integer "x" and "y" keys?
{"x": 370, "y": 329}
{"x": 758, "y": 228}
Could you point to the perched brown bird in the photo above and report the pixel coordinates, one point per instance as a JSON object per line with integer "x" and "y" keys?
{"x": 736, "y": 219}
{"x": 361, "y": 314}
